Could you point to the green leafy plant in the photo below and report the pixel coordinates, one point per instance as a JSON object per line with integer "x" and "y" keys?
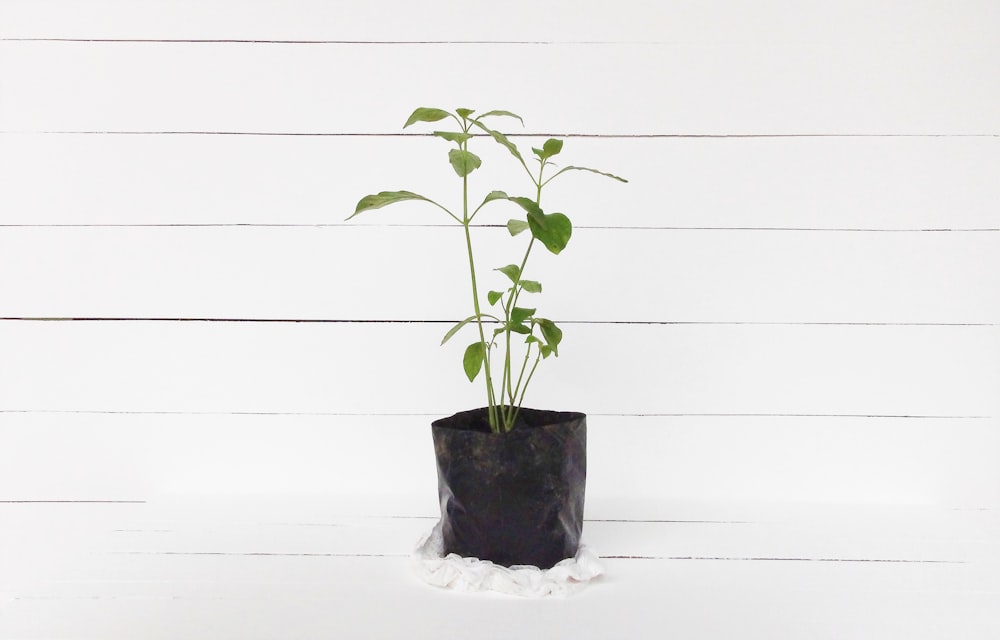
{"x": 540, "y": 337}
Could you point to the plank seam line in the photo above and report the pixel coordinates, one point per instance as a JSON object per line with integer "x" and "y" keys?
{"x": 440, "y": 413}
{"x": 641, "y": 521}
{"x": 369, "y": 42}
{"x": 392, "y": 517}
{"x": 261, "y": 554}
{"x": 340, "y": 42}
{"x": 335, "y": 225}
{"x": 780, "y": 559}
{"x": 72, "y": 502}
{"x": 616, "y": 136}
{"x": 575, "y": 322}
{"x": 244, "y": 554}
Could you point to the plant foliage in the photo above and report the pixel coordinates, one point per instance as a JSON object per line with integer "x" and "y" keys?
{"x": 538, "y": 337}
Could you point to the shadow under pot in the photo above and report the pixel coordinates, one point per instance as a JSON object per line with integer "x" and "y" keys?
{"x": 513, "y": 498}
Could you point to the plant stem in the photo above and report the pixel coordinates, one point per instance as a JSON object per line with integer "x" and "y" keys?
{"x": 524, "y": 366}
{"x": 510, "y": 416}
{"x": 482, "y": 334}
{"x": 538, "y": 359}
{"x": 494, "y": 423}
{"x": 507, "y": 369}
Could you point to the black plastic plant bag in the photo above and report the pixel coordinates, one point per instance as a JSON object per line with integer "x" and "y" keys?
{"x": 513, "y": 498}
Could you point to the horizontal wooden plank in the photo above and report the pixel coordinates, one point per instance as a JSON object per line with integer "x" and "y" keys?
{"x": 807, "y": 600}
{"x": 398, "y": 368}
{"x": 448, "y": 20}
{"x": 651, "y": 460}
{"x": 396, "y": 273}
{"x": 822, "y": 600}
{"x": 678, "y": 88}
{"x": 855, "y": 183}
{"x": 92, "y": 591}
{"x": 833, "y": 532}
{"x": 301, "y": 526}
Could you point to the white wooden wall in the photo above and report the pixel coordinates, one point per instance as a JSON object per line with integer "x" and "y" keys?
{"x": 796, "y": 297}
{"x": 215, "y": 393}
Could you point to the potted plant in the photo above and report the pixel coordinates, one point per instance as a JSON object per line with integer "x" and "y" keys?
{"x": 511, "y": 479}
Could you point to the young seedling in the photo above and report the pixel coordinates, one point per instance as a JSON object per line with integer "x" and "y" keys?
{"x": 541, "y": 336}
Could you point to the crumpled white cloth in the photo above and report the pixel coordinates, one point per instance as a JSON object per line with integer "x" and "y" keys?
{"x": 471, "y": 574}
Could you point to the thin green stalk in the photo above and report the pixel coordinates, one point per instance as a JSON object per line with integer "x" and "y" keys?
{"x": 494, "y": 424}
{"x": 515, "y": 293}
{"x": 520, "y": 401}
{"x": 482, "y": 334}
{"x": 508, "y": 372}
{"x": 524, "y": 366}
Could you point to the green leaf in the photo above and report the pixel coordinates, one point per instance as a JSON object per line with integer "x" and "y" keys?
{"x": 552, "y": 334}
{"x": 546, "y": 350}
{"x": 383, "y": 198}
{"x": 531, "y": 339}
{"x": 518, "y": 328}
{"x": 553, "y": 229}
{"x": 453, "y": 136}
{"x": 455, "y": 329}
{"x": 464, "y": 162}
{"x": 426, "y": 114}
{"x": 603, "y": 173}
{"x": 519, "y": 314}
{"x": 512, "y": 271}
{"x": 472, "y": 361}
{"x": 494, "y": 296}
{"x": 501, "y": 138}
{"x": 551, "y": 148}
{"x": 501, "y": 112}
{"x": 516, "y": 226}
{"x": 527, "y": 204}
{"x": 493, "y": 195}
{"x": 464, "y": 113}
{"x": 531, "y": 286}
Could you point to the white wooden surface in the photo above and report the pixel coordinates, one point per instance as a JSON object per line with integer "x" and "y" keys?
{"x": 279, "y": 568}
{"x": 785, "y": 329}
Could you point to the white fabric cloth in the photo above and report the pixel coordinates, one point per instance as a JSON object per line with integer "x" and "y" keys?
{"x": 471, "y": 574}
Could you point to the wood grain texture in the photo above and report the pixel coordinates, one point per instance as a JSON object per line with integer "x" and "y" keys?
{"x": 398, "y": 273}
{"x": 801, "y": 88}
{"x": 667, "y": 459}
{"x": 376, "y": 368}
{"x": 863, "y": 133}
{"x": 268, "y": 568}
{"x": 886, "y": 599}
{"x": 854, "y": 21}
{"x": 813, "y": 183}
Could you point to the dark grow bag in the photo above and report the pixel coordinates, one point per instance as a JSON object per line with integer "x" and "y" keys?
{"x": 512, "y": 498}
